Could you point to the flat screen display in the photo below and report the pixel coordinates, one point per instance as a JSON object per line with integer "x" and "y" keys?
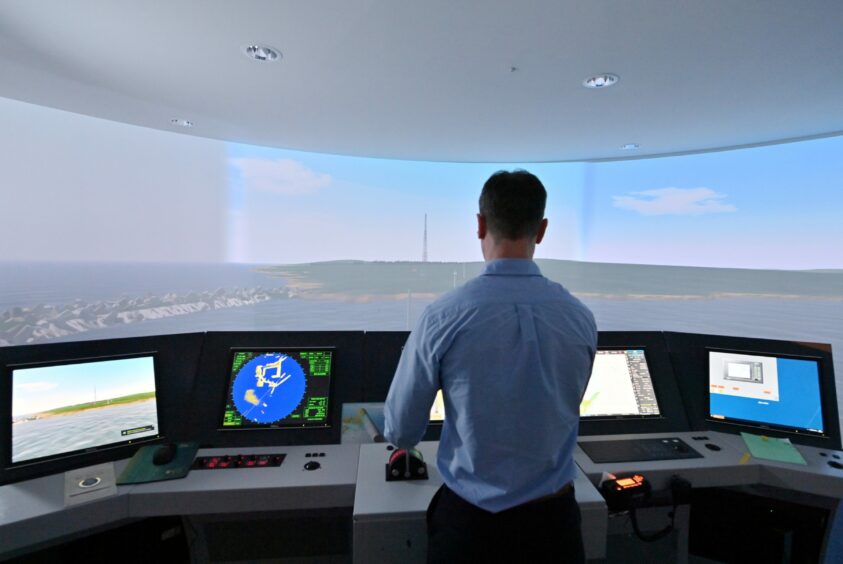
{"x": 81, "y": 406}
{"x": 279, "y": 388}
{"x": 437, "y": 410}
{"x": 620, "y": 386}
{"x": 765, "y": 390}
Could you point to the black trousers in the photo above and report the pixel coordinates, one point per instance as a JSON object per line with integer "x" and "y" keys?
{"x": 540, "y": 531}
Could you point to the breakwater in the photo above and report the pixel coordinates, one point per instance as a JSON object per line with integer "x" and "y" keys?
{"x": 39, "y": 323}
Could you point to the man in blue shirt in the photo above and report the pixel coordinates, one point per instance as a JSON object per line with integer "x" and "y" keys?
{"x": 512, "y": 353}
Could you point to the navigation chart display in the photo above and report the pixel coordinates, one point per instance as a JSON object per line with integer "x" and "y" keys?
{"x": 620, "y": 386}
{"x": 58, "y": 409}
{"x": 281, "y": 388}
{"x": 765, "y": 390}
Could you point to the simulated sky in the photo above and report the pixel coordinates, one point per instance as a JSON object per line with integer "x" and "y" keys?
{"x": 766, "y": 207}
{"x": 39, "y": 389}
{"x": 77, "y": 188}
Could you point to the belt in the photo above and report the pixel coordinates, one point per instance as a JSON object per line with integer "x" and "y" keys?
{"x": 563, "y": 491}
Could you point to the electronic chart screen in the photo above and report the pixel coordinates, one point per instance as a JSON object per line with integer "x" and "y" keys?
{"x": 620, "y": 386}
{"x": 82, "y": 406}
{"x": 765, "y": 390}
{"x": 279, "y": 388}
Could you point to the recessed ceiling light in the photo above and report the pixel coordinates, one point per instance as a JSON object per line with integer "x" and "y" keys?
{"x": 181, "y": 122}
{"x": 603, "y": 80}
{"x": 262, "y": 53}
{"x": 630, "y": 146}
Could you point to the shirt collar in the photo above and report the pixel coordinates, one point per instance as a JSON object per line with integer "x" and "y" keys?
{"x": 511, "y": 267}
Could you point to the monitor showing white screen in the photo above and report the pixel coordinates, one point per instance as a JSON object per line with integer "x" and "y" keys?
{"x": 63, "y": 408}
{"x": 620, "y": 386}
{"x": 765, "y": 390}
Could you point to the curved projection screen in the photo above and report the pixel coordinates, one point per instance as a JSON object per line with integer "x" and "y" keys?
{"x": 116, "y": 230}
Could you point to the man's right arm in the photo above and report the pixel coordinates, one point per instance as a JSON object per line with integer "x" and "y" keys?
{"x": 413, "y": 389}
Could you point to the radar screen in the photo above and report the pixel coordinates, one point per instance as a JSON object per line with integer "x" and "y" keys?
{"x": 279, "y": 388}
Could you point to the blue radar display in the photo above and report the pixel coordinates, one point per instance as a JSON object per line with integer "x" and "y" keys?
{"x": 268, "y": 388}
{"x": 278, "y": 388}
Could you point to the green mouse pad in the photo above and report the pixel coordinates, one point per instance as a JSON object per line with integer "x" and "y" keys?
{"x": 141, "y": 469}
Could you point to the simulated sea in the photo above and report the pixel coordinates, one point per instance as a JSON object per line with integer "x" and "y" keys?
{"x": 86, "y": 429}
{"x": 42, "y": 303}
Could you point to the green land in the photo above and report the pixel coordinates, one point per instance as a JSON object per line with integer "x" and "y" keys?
{"x": 373, "y": 280}
{"x": 66, "y": 410}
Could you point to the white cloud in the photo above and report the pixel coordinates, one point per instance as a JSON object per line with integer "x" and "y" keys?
{"x": 37, "y": 386}
{"x": 280, "y": 176}
{"x": 674, "y": 201}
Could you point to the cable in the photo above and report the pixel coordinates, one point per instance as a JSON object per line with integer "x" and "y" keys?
{"x": 652, "y": 537}
{"x": 680, "y": 492}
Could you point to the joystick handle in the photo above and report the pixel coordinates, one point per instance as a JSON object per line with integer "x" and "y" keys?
{"x": 406, "y": 464}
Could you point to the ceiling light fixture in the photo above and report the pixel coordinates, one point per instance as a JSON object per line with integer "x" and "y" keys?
{"x": 262, "y": 53}
{"x": 630, "y": 146}
{"x": 603, "y": 80}
{"x": 181, "y": 122}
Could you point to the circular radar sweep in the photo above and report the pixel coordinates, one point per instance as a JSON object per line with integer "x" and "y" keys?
{"x": 268, "y": 388}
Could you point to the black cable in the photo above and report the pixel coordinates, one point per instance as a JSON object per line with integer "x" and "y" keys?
{"x": 651, "y": 537}
{"x": 680, "y": 491}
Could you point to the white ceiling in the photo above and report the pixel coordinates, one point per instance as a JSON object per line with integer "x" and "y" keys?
{"x": 433, "y": 80}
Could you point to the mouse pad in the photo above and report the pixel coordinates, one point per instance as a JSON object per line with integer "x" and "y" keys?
{"x": 141, "y": 469}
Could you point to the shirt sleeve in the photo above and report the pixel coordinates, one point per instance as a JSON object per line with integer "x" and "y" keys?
{"x": 593, "y": 351}
{"x": 413, "y": 388}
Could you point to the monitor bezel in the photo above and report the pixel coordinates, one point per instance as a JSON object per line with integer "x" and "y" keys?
{"x": 757, "y": 425}
{"x": 214, "y": 373}
{"x": 628, "y": 417}
{"x": 271, "y": 427}
{"x": 672, "y": 417}
{"x": 7, "y": 430}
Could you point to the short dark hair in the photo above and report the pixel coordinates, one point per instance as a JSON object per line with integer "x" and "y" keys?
{"x": 513, "y": 204}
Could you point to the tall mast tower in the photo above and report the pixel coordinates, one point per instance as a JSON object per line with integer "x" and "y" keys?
{"x": 424, "y": 244}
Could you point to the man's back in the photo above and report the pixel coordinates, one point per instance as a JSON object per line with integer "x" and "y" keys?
{"x": 512, "y": 351}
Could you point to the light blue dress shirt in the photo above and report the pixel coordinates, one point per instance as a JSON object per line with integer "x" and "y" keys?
{"x": 512, "y": 352}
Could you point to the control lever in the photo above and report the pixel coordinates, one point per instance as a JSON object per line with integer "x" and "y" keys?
{"x": 406, "y": 464}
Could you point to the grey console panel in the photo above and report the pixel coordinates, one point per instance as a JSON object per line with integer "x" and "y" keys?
{"x": 389, "y": 517}
{"x": 237, "y": 490}
{"x": 33, "y": 513}
{"x": 716, "y": 468}
{"x": 732, "y": 465}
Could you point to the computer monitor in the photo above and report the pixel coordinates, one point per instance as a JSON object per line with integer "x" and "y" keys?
{"x": 285, "y": 388}
{"x": 81, "y": 405}
{"x": 765, "y": 390}
{"x": 437, "y": 410}
{"x": 620, "y": 386}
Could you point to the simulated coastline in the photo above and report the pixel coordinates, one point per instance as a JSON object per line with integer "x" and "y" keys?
{"x": 363, "y": 282}
{"x": 40, "y": 323}
{"x": 74, "y": 409}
